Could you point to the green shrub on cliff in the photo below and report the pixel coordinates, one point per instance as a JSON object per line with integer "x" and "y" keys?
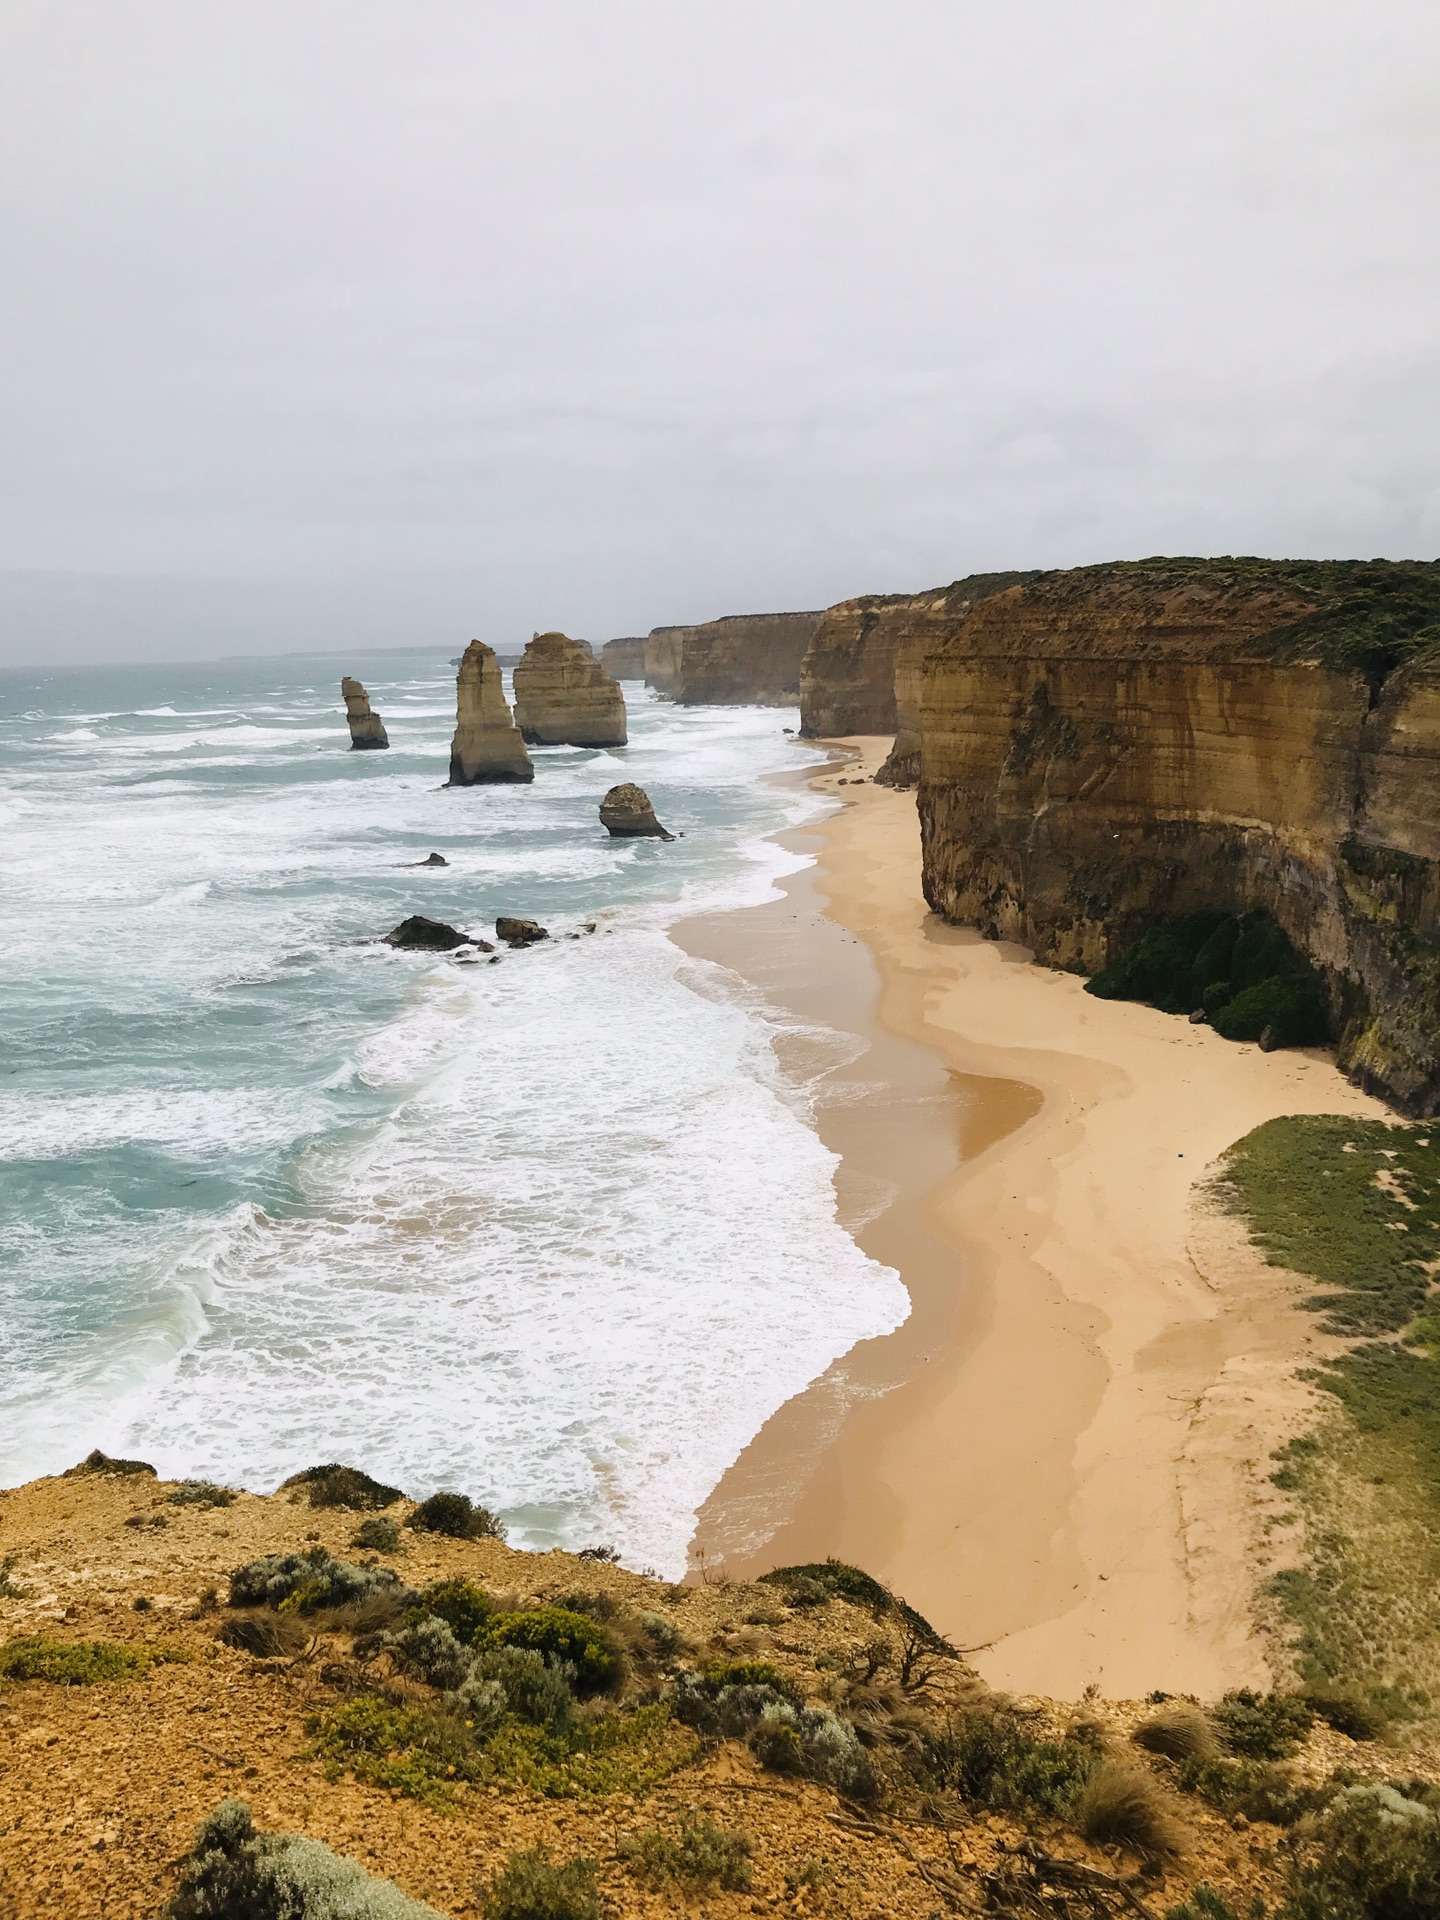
{"x": 337, "y": 1486}
{"x": 457, "y": 1516}
{"x": 532, "y": 1887}
{"x": 77, "y": 1663}
{"x": 570, "y": 1639}
{"x": 306, "y": 1582}
{"x": 1242, "y": 971}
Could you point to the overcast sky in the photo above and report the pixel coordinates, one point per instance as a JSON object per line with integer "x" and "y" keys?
{"x": 364, "y": 321}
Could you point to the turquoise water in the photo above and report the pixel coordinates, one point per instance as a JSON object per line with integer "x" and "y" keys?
{"x": 553, "y": 1231}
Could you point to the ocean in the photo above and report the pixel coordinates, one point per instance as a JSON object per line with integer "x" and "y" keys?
{"x": 556, "y": 1232}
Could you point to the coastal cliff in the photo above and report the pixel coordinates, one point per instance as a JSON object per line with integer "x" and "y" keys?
{"x": 487, "y": 748}
{"x": 745, "y": 659}
{"x": 565, "y": 698}
{"x": 862, "y": 668}
{"x": 1108, "y": 746}
{"x": 624, "y": 658}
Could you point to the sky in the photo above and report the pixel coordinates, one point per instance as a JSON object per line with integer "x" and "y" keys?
{"x": 355, "y": 323}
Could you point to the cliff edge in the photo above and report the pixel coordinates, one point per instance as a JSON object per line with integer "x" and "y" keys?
{"x": 744, "y": 659}
{"x": 1108, "y": 746}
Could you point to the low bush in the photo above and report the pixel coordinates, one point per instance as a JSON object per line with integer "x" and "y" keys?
{"x": 703, "y": 1854}
{"x": 811, "y": 1741}
{"x": 456, "y": 1516}
{"x": 1360, "y": 1716}
{"x": 429, "y": 1651}
{"x": 532, "y": 1887}
{"x": 1244, "y": 972}
{"x": 992, "y": 1757}
{"x": 1258, "y": 1789}
{"x": 1260, "y": 1726}
{"x": 98, "y": 1462}
{"x": 822, "y": 1580}
{"x": 378, "y": 1534}
{"x": 625, "y": 1752}
{"x": 10, "y": 1589}
{"x": 525, "y": 1686}
{"x": 1179, "y": 1732}
{"x": 1283, "y": 1012}
{"x": 267, "y": 1635}
{"x": 336, "y": 1486}
{"x": 465, "y": 1608}
{"x": 1372, "y": 1855}
{"x": 306, "y": 1582}
{"x": 201, "y": 1493}
{"x": 417, "y": 1751}
{"x": 581, "y": 1643}
{"x": 234, "y": 1873}
{"x": 77, "y": 1663}
{"x": 1122, "y": 1806}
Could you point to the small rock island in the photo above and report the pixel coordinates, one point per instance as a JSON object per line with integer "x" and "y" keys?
{"x": 367, "y": 729}
{"x": 487, "y": 749}
{"x": 565, "y": 698}
{"x": 626, "y": 813}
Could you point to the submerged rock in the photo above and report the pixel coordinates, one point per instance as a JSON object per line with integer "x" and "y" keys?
{"x": 367, "y": 729}
{"x": 487, "y": 748}
{"x": 627, "y": 813}
{"x": 565, "y": 698}
{"x": 430, "y": 860}
{"x": 519, "y": 933}
{"x": 427, "y": 936}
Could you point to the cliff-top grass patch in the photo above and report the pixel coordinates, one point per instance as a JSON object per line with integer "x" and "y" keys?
{"x": 333, "y": 1485}
{"x": 79, "y": 1663}
{"x": 532, "y": 1886}
{"x": 702, "y": 1854}
{"x": 1355, "y": 1206}
{"x": 628, "y": 1751}
{"x": 201, "y": 1493}
{"x": 421, "y": 1752}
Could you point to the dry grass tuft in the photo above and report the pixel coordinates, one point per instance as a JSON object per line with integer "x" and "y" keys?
{"x": 1179, "y": 1731}
{"x": 1122, "y": 1806}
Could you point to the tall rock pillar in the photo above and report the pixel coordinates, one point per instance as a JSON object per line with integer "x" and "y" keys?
{"x": 487, "y": 749}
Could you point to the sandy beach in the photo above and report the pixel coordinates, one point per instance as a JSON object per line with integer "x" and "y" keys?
{"x": 1062, "y": 1457}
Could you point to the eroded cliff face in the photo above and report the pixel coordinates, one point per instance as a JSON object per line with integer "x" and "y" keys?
{"x": 745, "y": 659}
{"x": 625, "y": 657}
{"x": 862, "y": 670}
{"x": 565, "y": 698}
{"x": 1108, "y": 746}
{"x": 487, "y": 749}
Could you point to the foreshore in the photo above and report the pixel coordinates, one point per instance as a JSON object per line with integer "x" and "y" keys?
{"x": 1062, "y": 1458}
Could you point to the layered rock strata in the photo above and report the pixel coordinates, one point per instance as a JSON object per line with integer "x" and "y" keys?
{"x": 745, "y": 659}
{"x": 626, "y": 813}
{"x": 865, "y": 651}
{"x": 565, "y": 698}
{"x": 625, "y": 657}
{"x": 487, "y": 748}
{"x": 367, "y": 729}
{"x": 1107, "y": 746}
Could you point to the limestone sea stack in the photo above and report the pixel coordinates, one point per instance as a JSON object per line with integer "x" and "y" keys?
{"x": 627, "y": 813}
{"x": 565, "y": 698}
{"x": 487, "y": 749}
{"x": 367, "y": 729}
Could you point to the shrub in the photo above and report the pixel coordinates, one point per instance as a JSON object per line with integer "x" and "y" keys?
{"x": 234, "y": 1873}
{"x": 337, "y": 1486}
{"x": 1179, "y": 1732}
{"x": 1291, "y": 1010}
{"x": 9, "y": 1588}
{"x": 1373, "y": 1855}
{"x": 305, "y": 1582}
{"x": 703, "y": 1854}
{"x": 814, "y": 1742}
{"x": 76, "y": 1663}
{"x": 822, "y": 1580}
{"x": 456, "y": 1516}
{"x": 98, "y": 1462}
{"x": 201, "y": 1493}
{"x": 378, "y": 1534}
{"x": 429, "y": 1650}
{"x": 1360, "y": 1716}
{"x": 1263, "y": 1726}
{"x": 465, "y": 1608}
{"x": 1257, "y": 1788}
{"x": 268, "y": 1636}
{"x": 417, "y": 1751}
{"x": 662, "y": 1636}
{"x": 528, "y": 1687}
{"x": 625, "y": 1752}
{"x": 991, "y": 1756}
{"x": 1122, "y": 1806}
{"x": 532, "y": 1887}
{"x": 584, "y": 1644}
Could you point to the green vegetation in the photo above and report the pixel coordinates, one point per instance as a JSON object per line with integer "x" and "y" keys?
{"x": 819, "y": 1581}
{"x": 418, "y": 1751}
{"x": 1373, "y": 1855}
{"x": 336, "y": 1486}
{"x": 9, "y": 1588}
{"x": 378, "y": 1534}
{"x": 994, "y": 1758}
{"x": 622, "y": 1752}
{"x": 465, "y": 1608}
{"x": 78, "y": 1663}
{"x": 457, "y": 1516}
{"x": 306, "y": 1582}
{"x": 532, "y": 1887}
{"x": 1263, "y": 1726}
{"x": 234, "y": 1873}
{"x": 98, "y": 1462}
{"x": 703, "y": 1854}
{"x": 1241, "y": 971}
{"x": 201, "y": 1493}
{"x": 1355, "y": 1206}
{"x": 580, "y": 1643}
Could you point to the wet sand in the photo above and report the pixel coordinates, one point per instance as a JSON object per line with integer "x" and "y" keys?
{"x": 1061, "y": 1458}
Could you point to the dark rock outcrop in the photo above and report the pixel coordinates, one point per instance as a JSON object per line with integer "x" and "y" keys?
{"x": 745, "y": 659}
{"x": 627, "y": 813}
{"x": 625, "y": 658}
{"x": 864, "y": 651}
{"x": 367, "y": 729}
{"x": 430, "y": 860}
{"x": 420, "y": 935}
{"x": 565, "y": 698}
{"x": 519, "y": 933}
{"x": 487, "y": 748}
{"x": 1109, "y": 746}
